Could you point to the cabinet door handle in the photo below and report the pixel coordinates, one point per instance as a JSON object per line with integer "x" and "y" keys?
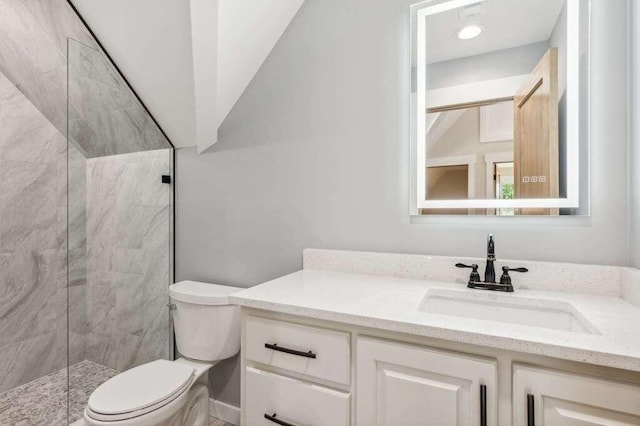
{"x": 483, "y": 405}
{"x": 272, "y": 418}
{"x": 531, "y": 418}
{"x": 275, "y": 347}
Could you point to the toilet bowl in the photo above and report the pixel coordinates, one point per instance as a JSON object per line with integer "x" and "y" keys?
{"x": 174, "y": 393}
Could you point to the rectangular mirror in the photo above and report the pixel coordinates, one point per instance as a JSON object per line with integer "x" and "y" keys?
{"x": 499, "y": 107}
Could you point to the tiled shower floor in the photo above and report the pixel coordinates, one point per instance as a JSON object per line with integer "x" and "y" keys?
{"x": 44, "y": 400}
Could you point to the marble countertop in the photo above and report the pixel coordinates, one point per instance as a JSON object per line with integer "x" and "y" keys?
{"x": 393, "y": 304}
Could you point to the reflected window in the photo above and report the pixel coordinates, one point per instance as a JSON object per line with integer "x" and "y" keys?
{"x": 504, "y": 186}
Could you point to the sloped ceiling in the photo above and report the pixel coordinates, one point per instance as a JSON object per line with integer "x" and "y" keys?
{"x": 248, "y": 31}
{"x": 165, "y": 49}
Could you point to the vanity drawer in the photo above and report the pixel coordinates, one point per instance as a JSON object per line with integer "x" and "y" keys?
{"x": 292, "y": 401}
{"x": 316, "y": 352}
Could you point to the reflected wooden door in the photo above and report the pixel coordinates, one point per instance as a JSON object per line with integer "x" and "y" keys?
{"x": 536, "y": 169}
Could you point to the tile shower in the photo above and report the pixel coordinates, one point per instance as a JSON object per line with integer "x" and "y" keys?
{"x": 85, "y": 221}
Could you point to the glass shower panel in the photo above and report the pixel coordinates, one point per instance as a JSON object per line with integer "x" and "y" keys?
{"x": 120, "y": 239}
{"x": 33, "y": 288}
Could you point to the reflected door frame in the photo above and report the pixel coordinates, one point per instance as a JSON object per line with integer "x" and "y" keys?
{"x": 490, "y": 161}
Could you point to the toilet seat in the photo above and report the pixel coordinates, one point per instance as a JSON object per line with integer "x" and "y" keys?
{"x": 139, "y": 391}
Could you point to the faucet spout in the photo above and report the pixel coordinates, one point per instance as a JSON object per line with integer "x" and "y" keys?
{"x": 489, "y": 282}
{"x": 490, "y": 272}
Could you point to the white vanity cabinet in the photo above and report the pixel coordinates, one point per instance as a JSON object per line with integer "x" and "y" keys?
{"x": 544, "y": 397}
{"x": 400, "y": 384}
{"x": 274, "y": 352}
{"x": 303, "y": 371}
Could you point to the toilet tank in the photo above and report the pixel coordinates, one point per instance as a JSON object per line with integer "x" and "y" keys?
{"x": 207, "y": 326}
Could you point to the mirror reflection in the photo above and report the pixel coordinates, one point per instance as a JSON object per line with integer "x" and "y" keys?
{"x": 495, "y": 126}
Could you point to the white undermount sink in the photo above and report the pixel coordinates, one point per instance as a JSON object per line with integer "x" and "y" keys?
{"x": 507, "y": 309}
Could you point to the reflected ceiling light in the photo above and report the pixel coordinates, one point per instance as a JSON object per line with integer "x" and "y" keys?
{"x": 469, "y": 32}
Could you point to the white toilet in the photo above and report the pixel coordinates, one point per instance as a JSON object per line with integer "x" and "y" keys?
{"x": 207, "y": 330}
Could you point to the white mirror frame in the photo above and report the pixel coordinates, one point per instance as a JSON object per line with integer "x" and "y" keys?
{"x": 420, "y": 102}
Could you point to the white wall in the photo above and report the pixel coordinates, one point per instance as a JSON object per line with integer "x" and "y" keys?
{"x": 150, "y": 41}
{"x": 204, "y": 45}
{"x": 635, "y": 137}
{"x": 488, "y": 66}
{"x": 316, "y": 154}
{"x": 247, "y": 32}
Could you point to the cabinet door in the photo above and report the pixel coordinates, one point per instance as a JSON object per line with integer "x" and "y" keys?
{"x": 402, "y": 385}
{"x": 553, "y": 398}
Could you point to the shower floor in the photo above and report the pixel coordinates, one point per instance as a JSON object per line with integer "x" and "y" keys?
{"x": 44, "y": 400}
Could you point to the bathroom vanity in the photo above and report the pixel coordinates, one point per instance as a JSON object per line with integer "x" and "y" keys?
{"x": 366, "y": 339}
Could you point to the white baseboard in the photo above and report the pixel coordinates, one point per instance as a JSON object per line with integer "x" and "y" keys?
{"x": 223, "y": 411}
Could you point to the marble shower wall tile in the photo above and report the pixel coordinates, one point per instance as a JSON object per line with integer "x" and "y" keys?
{"x": 76, "y": 242}
{"x": 33, "y": 318}
{"x": 33, "y": 61}
{"x": 105, "y": 116}
{"x": 129, "y": 216}
{"x": 60, "y": 22}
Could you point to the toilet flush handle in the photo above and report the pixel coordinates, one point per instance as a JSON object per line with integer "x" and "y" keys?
{"x": 172, "y": 307}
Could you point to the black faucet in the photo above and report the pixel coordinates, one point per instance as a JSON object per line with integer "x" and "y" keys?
{"x": 489, "y": 282}
{"x": 489, "y": 271}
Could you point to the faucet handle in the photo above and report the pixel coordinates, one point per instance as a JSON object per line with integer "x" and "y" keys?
{"x": 475, "y": 275}
{"x": 506, "y": 269}
{"x": 505, "y": 278}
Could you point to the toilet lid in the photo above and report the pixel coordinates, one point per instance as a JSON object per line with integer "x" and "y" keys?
{"x": 140, "y": 388}
{"x": 201, "y": 293}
